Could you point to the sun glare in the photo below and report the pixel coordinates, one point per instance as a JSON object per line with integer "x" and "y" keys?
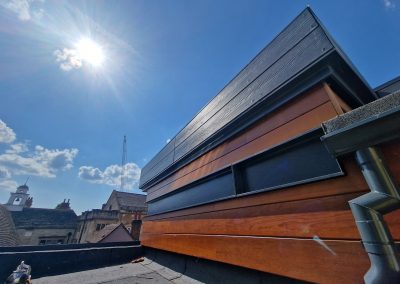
{"x": 90, "y": 51}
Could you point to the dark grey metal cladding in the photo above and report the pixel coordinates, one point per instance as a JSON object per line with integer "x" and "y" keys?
{"x": 299, "y": 57}
{"x": 302, "y": 163}
{"x": 390, "y": 87}
{"x": 289, "y": 37}
{"x": 211, "y": 189}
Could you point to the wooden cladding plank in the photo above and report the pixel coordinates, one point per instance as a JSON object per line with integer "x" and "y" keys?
{"x": 312, "y": 47}
{"x": 335, "y": 224}
{"x": 289, "y": 37}
{"x": 296, "y": 127}
{"x": 326, "y": 217}
{"x": 391, "y": 152}
{"x": 340, "y": 106}
{"x": 312, "y": 99}
{"x": 315, "y": 260}
{"x": 351, "y": 183}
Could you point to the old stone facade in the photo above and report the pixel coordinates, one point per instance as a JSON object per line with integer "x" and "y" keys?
{"x": 120, "y": 208}
{"x": 39, "y": 226}
{"x": 92, "y": 221}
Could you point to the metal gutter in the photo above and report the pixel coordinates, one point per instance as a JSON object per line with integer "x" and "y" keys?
{"x": 360, "y": 131}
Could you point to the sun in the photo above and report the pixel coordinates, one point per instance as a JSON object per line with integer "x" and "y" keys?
{"x": 90, "y": 51}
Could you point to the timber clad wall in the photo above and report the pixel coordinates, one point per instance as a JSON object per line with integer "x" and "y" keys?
{"x": 265, "y": 194}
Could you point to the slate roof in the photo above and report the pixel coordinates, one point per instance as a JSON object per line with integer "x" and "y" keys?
{"x": 40, "y": 218}
{"x": 128, "y": 200}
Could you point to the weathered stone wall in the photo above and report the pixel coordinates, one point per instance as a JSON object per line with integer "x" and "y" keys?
{"x": 33, "y": 236}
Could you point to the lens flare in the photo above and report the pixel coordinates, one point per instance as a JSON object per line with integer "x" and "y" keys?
{"x": 90, "y": 52}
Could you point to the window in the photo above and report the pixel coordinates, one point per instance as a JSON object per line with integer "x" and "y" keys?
{"x": 100, "y": 226}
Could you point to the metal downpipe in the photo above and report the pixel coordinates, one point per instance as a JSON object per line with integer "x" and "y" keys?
{"x": 368, "y": 211}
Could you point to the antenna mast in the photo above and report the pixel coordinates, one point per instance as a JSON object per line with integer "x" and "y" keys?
{"x": 124, "y": 158}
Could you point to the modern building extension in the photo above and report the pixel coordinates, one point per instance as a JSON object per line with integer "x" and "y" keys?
{"x": 262, "y": 177}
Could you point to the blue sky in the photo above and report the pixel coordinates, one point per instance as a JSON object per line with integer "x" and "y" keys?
{"x": 62, "y": 118}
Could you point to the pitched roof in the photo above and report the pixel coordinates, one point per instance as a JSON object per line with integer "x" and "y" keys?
{"x": 44, "y": 218}
{"x": 127, "y": 200}
{"x": 98, "y": 236}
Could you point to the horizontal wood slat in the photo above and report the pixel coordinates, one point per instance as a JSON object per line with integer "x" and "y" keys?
{"x": 328, "y": 261}
{"x": 327, "y": 217}
{"x": 289, "y": 130}
{"x": 314, "y": 98}
{"x": 324, "y": 224}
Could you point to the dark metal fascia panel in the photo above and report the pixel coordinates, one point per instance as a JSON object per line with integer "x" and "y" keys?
{"x": 369, "y": 132}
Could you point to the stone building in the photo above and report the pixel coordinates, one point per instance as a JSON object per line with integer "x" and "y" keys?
{"x": 39, "y": 226}
{"x": 131, "y": 206}
{"x": 120, "y": 208}
{"x": 92, "y": 221}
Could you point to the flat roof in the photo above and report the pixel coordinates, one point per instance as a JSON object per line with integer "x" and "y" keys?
{"x": 146, "y": 271}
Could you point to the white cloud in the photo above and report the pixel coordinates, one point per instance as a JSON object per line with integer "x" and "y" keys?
{"x": 8, "y": 185}
{"x": 55, "y": 159}
{"x": 7, "y": 135}
{"x": 68, "y": 58}
{"x": 168, "y": 140}
{"x": 23, "y": 8}
{"x": 112, "y": 175}
{"x": 390, "y": 4}
{"x": 17, "y": 148}
{"x": 20, "y": 160}
{"x": 42, "y": 162}
{"x": 4, "y": 173}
